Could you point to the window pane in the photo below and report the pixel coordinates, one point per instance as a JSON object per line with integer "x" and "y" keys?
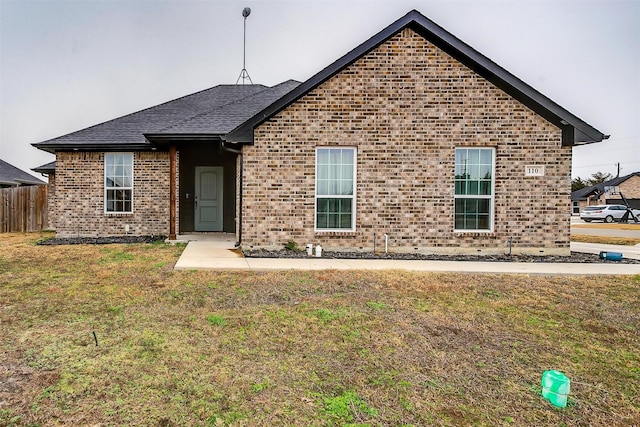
{"x": 323, "y": 187}
{"x": 323, "y": 205}
{"x": 486, "y": 157}
{"x": 484, "y": 172}
{"x": 332, "y": 187}
{"x": 474, "y": 171}
{"x": 485, "y": 188}
{"x": 345, "y": 221}
{"x": 345, "y": 205}
{"x": 473, "y": 156}
{"x": 323, "y": 171}
{"x": 335, "y": 156}
{"x": 483, "y": 222}
{"x": 346, "y": 188}
{"x": 323, "y": 156}
{"x": 473, "y": 187}
{"x": 347, "y": 172}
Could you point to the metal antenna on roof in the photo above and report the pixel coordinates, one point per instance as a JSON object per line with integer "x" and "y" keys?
{"x": 244, "y": 75}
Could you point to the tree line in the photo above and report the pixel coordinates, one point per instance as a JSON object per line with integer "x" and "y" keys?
{"x": 596, "y": 178}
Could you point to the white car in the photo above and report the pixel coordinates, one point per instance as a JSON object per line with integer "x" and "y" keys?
{"x": 606, "y": 213}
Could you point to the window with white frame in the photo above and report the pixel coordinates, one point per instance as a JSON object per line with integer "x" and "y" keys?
{"x": 474, "y": 189}
{"x": 335, "y": 189}
{"x": 118, "y": 182}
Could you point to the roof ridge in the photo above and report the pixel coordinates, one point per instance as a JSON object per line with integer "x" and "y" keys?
{"x": 235, "y": 101}
{"x": 190, "y": 118}
{"x": 134, "y": 113}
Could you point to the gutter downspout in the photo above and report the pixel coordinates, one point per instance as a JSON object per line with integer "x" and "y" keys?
{"x": 239, "y": 219}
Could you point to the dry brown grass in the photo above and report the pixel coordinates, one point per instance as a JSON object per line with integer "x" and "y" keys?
{"x": 605, "y": 240}
{"x": 613, "y": 226}
{"x": 321, "y": 348}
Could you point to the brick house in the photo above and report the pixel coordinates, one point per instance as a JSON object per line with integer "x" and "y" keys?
{"x": 608, "y": 192}
{"x": 413, "y": 135}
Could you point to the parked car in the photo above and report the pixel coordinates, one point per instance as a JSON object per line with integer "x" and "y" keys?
{"x": 606, "y": 213}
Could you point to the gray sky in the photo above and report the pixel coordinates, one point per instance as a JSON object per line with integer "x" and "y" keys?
{"x": 67, "y": 65}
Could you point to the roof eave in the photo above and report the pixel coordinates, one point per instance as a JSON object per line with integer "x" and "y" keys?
{"x": 29, "y": 182}
{"x": 45, "y": 171}
{"x": 55, "y": 147}
{"x": 164, "y": 139}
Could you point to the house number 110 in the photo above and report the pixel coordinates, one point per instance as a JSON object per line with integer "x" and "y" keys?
{"x": 533, "y": 170}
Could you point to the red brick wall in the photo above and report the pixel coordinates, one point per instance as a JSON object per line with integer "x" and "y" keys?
{"x": 406, "y": 105}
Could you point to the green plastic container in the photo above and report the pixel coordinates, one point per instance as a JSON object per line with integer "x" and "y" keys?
{"x": 555, "y": 388}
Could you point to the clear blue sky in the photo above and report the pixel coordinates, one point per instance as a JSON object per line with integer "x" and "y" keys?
{"x": 66, "y": 65}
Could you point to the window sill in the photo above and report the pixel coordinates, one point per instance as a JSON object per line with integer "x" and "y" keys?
{"x": 118, "y": 214}
{"x": 338, "y": 233}
{"x": 472, "y": 233}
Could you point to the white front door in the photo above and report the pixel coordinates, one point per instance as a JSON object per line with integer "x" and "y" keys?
{"x": 208, "y": 200}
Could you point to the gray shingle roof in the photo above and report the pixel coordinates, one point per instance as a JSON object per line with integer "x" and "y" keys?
{"x": 207, "y": 108}
{"x": 47, "y": 168}
{"x": 11, "y": 175}
{"x": 585, "y": 192}
{"x": 225, "y": 118}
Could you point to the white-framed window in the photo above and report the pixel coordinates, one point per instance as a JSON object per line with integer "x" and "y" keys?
{"x": 474, "y": 189}
{"x": 335, "y": 189}
{"x": 118, "y": 182}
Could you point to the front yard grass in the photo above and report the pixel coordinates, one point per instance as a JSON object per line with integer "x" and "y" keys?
{"x": 325, "y": 348}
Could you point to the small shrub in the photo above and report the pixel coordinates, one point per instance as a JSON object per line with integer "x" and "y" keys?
{"x": 291, "y": 245}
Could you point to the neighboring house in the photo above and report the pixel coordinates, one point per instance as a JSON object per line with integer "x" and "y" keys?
{"x": 11, "y": 176}
{"x": 413, "y": 135}
{"x": 608, "y": 193}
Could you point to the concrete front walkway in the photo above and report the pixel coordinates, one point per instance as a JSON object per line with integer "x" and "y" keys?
{"x": 221, "y": 255}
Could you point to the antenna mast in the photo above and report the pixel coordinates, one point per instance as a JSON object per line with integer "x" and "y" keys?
{"x": 244, "y": 75}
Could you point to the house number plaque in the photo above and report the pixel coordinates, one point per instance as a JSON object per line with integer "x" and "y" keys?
{"x": 534, "y": 170}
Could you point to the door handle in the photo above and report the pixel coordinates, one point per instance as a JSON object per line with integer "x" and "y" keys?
{"x": 196, "y": 200}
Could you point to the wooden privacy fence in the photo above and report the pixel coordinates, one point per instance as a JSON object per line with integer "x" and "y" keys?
{"x": 23, "y": 209}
